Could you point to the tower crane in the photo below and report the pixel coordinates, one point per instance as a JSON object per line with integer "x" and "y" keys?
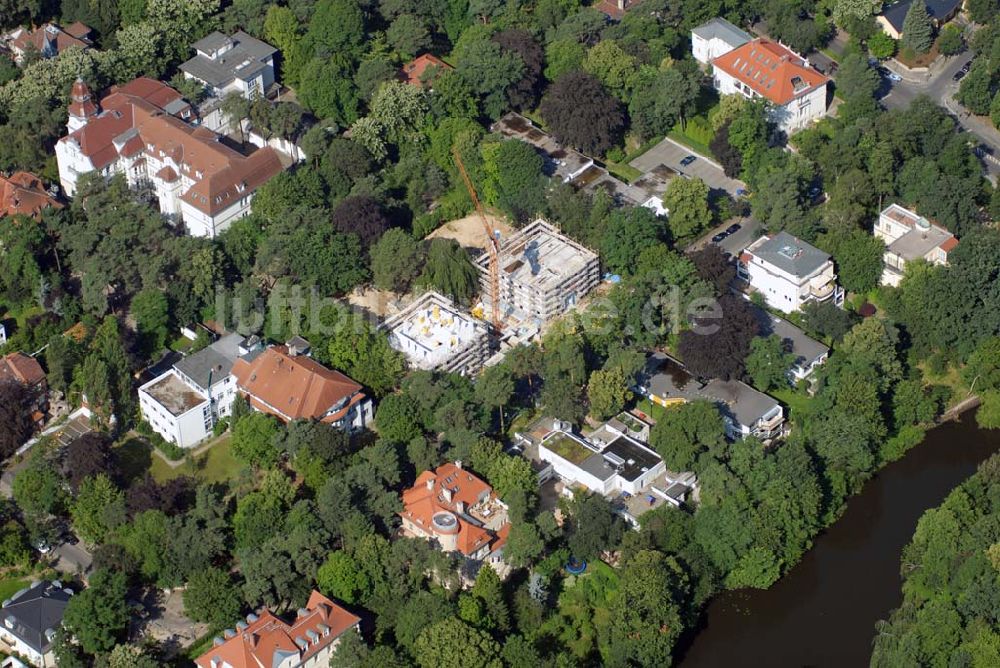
{"x": 492, "y": 246}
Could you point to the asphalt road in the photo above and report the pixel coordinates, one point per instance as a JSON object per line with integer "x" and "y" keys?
{"x": 668, "y": 154}
{"x": 941, "y": 87}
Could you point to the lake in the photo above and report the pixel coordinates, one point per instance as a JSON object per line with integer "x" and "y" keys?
{"x": 823, "y": 611}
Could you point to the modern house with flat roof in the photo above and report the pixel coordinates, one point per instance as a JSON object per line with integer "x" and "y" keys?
{"x": 892, "y": 17}
{"x": 789, "y": 272}
{"x": 745, "y": 411}
{"x": 716, "y": 38}
{"x": 543, "y": 273}
{"x": 31, "y": 618}
{"x": 610, "y": 462}
{"x": 761, "y": 68}
{"x": 908, "y": 237}
{"x": 434, "y": 334}
{"x": 183, "y": 404}
{"x": 236, "y": 63}
{"x": 809, "y": 353}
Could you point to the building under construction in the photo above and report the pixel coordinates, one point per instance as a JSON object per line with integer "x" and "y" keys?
{"x": 542, "y": 273}
{"x": 435, "y": 335}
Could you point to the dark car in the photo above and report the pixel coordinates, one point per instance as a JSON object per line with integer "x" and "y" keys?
{"x": 815, "y": 193}
{"x": 719, "y": 237}
{"x": 688, "y": 160}
{"x": 967, "y": 67}
{"x": 959, "y": 75}
{"x": 734, "y": 228}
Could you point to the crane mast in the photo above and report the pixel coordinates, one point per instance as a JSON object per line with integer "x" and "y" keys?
{"x": 493, "y": 245}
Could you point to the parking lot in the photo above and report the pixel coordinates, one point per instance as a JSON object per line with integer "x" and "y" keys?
{"x": 669, "y": 154}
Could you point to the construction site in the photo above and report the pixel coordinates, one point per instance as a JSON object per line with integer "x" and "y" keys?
{"x": 435, "y": 335}
{"x": 541, "y": 274}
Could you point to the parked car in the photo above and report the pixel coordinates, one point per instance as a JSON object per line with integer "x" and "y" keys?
{"x": 959, "y": 75}
{"x": 43, "y": 546}
{"x": 733, "y": 229}
{"x": 719, "y": 237}
{"x": 967, "y": 67}
{"x": 688, "y": 160}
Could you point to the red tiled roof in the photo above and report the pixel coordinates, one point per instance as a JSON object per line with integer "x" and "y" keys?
{"x": 256, "y": 645}
{"x": 50, "y": 32}
{"x": 295, "y": 387}
{"x": 427, "y": 497}
{"x": 413, "y": 71}
{"x": 949, "y": 244}
{"x": 23, "y": 193}
{"x": 221, "y": 175}
{"x": 78, "y": 30}
{"x": 771, "y": 70}
{"x": 22, "y": 368}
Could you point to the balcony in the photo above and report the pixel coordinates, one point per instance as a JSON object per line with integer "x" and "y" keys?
{"x": 824, "y": 290}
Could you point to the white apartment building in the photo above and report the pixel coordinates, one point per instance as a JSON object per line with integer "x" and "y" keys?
{"x": 716, "y": 38}
{"x": 795, "y": 91}
{"x": 183, "y": 404}
{"x": 140, "y": 131}
{"x": 788, "y": 272}
{"x": 909, "y": 237}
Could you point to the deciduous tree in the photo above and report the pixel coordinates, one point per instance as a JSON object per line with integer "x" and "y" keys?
{"x": 582, "y": 114}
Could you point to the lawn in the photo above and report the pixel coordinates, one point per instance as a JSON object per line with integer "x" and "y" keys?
{"x": 696, "y": 146}
{"x": 798, "y": 404}
{"x": 654, "y": 411}
{"x": 217, "y": 464}
{"x": 10, "y": 586}
{"x": 623, "y": 171}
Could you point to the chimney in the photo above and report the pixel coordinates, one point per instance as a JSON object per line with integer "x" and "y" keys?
{"x": 621, "y": 5}
{"x": 430, "y": 483}
{"x": 460, "y": 507}
{"x": 458, "y": 464}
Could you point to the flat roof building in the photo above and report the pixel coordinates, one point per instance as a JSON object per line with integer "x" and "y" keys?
{"x": 543, "y": 273}
{"x": 434, "y": 334}
{"x": 237, "y": 63}
{"x": 745, "y": 411}
{"x": 909, "y": 236}
{"x": 611, "y": 463}
{"x": 789, "y": 272}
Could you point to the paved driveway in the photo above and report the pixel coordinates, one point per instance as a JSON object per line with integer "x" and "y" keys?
{"x": 669, "y": 154}
{"x": 750, "y": 230}
{"x": 72, "y": 559}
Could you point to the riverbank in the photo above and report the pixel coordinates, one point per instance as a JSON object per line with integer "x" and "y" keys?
{"x": 823, "y": 611}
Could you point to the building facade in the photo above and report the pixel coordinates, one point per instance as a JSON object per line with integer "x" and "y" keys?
{"x": 796, "y": 93}
{"x": 142, "y": 131}
{"x": 237, "y": 63}
{"x": 909, "y": 237}
{"x": 789, "y": 272}
{"x": 184, "y": 404}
